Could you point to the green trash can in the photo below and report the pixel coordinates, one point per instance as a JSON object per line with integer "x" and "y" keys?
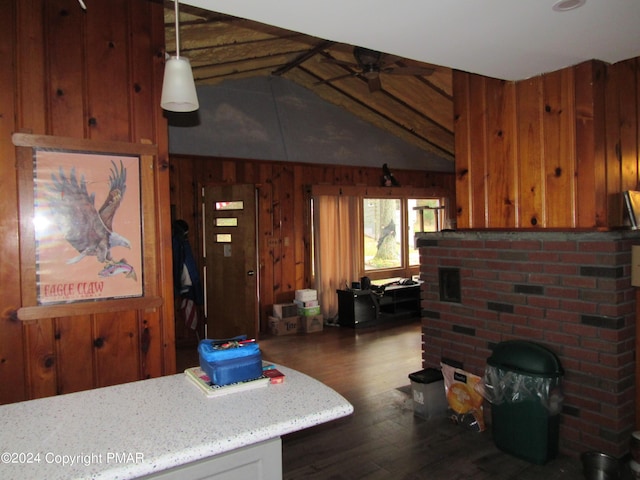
{"x": 523, "y": 384}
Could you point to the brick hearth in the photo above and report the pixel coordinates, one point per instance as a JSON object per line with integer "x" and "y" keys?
{"x": 568, "y": 291}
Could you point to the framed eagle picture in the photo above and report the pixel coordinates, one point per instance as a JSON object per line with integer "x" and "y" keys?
{"x": 87, "y": 221}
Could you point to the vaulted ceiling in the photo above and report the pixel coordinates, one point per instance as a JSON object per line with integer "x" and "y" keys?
{"x": 410, "y": 99}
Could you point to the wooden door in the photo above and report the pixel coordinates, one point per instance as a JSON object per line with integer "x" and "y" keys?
{"x": 231, "y": 264}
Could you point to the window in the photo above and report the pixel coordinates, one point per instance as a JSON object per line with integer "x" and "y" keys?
{"x": 368, "y": 231}
{"x": 389, "y": 226}
{"x": 425, "y": 215}
{"x": 382, "y": 224}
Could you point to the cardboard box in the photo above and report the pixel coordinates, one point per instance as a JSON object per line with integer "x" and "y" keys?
{"x": 306, "y": 295}
{"x": 310, "y": 308}
{"x": 284, "y": 326}
{"x": 285, "y": 310}
{"x": 312, "y": 324}
{"x": 309, "y": 311}
{"x": 308, "y": 303}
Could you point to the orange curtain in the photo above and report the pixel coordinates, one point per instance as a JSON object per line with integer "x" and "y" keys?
{"x": 337, "y": 247}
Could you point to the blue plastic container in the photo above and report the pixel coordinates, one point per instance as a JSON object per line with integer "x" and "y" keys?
{"x": 230, "y": 361}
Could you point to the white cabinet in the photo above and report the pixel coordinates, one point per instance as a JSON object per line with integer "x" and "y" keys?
{"x": 262, "y": 461}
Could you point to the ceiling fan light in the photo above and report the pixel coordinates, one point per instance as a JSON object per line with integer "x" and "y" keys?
{"x": 178, "y": 87}
{"x": 371, "y": 73}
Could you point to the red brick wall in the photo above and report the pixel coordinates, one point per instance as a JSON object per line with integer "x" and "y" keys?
{"x": 570, "y": 292}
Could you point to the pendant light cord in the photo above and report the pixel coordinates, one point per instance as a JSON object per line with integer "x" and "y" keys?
{"x": 177, "y": 29}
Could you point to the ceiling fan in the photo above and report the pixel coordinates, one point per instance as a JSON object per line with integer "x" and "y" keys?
{"x": 369, "y": 64}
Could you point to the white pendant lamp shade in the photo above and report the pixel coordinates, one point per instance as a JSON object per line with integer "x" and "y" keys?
{"x": 178, "y": 87}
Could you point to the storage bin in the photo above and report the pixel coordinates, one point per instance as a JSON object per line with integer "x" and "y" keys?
{"x": 522, "y": 382}
{"x": 429, "y": 398}
{"x": 231, "y": 364}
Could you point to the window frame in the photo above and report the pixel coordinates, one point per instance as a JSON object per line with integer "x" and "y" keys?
{"x": 402, "y": 193}
{"x": 405, "y": 269}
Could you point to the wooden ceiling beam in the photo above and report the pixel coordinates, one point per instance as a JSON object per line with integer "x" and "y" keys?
{"x": 303, "y": 58}
{"x": 399, "y": 111}
{"x": 211, "y": 74}
{"x": 244, "y": 52}
{"x": 360, "y": 109}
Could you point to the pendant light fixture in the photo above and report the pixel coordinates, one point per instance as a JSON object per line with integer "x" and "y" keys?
{"x": 178, "y": 87}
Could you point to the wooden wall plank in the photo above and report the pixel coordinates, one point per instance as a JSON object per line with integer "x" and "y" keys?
{"x": 30, "y": 66}
{"x": 229, "y": 175}
{"x": 627, "y": 101}
{"x": 462, "y": 126}
{"x": 559, "y": 147}
{"x": 590, "y": 193}
{"x": 266, "y": 247}
{"x": 613, "y": 151}
{"x": 283, "y": 179}
{"x": 279, "y": 279}
{"x": 478, "y": 160}
{"x": 530, "y": 154}
{"x": 107, "y": 71}
{"x": 300, "y": 229}
{"x": 65, "y": 87}
{"x": 12, "y": 379}
{"x": 500, "y": 178}
{"x": 116, "y": 346}
{"x": 74, "y": 353}
{"x": 152, "y": 344}
{"x": 146, "y": 43}
{"x": 41, "y": 362}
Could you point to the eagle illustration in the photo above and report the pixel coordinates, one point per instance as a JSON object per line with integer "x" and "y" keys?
{"x": 88, "y": 230}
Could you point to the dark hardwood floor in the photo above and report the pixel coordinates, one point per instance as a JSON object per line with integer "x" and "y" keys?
{"x": 383, "y": 439}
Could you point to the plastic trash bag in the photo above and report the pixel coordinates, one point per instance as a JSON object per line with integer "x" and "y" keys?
{"x": 507, "y": 386}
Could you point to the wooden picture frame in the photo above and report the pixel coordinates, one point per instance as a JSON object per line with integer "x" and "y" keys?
{"x": 83, "y": 225}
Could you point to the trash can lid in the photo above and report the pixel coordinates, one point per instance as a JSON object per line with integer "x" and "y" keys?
{"x": 428, "y": 375}
{"x": 526, "y": 357}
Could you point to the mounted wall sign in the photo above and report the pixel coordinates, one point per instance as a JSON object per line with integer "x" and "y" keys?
{"x": 85, "y": 223}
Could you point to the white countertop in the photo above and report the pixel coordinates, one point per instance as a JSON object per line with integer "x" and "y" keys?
{"x": 138, "y": 428}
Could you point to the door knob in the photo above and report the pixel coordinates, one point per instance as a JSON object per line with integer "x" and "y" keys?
{"x": 251, "y": 273}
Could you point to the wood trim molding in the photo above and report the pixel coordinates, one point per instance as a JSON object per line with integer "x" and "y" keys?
{"x": 87, "y": 308}
{"x": 31, "y": 310}
{"x": 83, "y": 144}
{"x": 379, "y": 192}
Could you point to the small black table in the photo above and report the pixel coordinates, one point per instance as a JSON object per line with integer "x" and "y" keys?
{"x": 359, "y": 308}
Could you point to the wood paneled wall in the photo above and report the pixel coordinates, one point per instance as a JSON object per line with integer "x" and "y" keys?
{"x": 96, "y": 75}
{"x": 283, "y": 213}
{"x": 553, "y": 151}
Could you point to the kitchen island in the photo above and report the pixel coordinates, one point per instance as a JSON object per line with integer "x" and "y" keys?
{"x": 161, "y": 428}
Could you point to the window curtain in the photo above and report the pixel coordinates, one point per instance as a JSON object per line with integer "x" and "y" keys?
{"x": 337, "y": 250}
